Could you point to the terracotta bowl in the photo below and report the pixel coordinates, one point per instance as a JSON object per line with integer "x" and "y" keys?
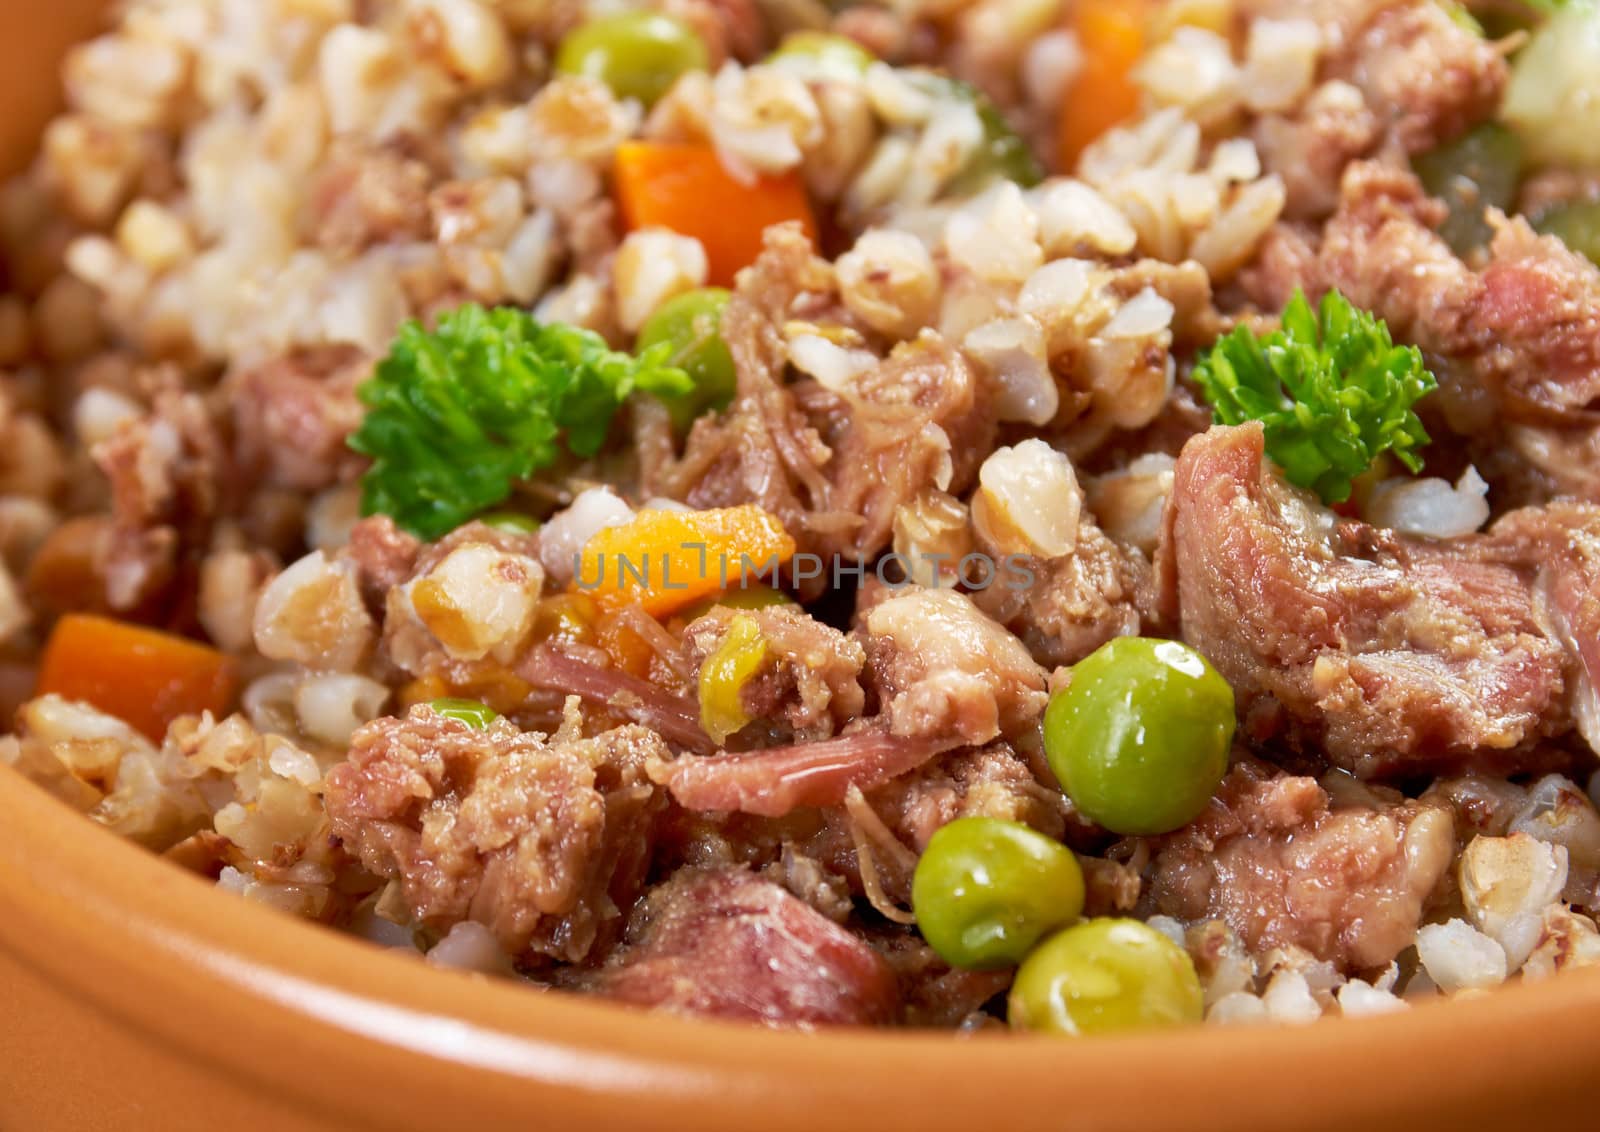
{"x": 133, "y": 996}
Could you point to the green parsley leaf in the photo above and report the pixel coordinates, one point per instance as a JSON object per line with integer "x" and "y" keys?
{"x": 1331, "y": 387}
{"x": 457, "y": 415}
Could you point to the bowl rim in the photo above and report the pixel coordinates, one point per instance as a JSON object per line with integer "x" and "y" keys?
{"x": 377, "y": 1034}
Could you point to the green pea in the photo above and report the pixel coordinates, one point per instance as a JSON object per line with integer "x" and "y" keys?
{"x": 1139, "y": 740}
{"x": 511, "y": 522}
{"x": 470, "y": 712}
{"x": 637, "y": 54}
{"x": 1577, "y": 223}
{"x": 1102, "y": 976}
{"x": 986, "y": 890}
{"x": 820, "y": 54}
{"x": 690, "y": 323}
{"x": 1482, "y": 168}
{"x": 1003, "y": 154}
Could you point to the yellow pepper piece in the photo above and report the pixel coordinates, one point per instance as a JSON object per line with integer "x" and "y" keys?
{"x": 725, "y": 673}
{"x": 667, "y": 560}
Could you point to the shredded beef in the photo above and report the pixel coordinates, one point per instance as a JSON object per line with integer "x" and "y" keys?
{"x": 545, "y": 840}
{"x": 932, "y": 992}
{"x": 833, "y": 467}
{"x": 1516, "y": 345}
{"x": 776, "y": 780}
{"x": 1398, "y": 656}
{"x": 728, "y": 944}
{"x": 942, "y": 668}
{"x": 1426, "y": 77}
{"x": 1072, "y": 604}
{"x": 1282, "y": 866}
{"x": 383, "y": 554}
{"x": 808, "y": 685}
{"x": 291, "y": 415}
{"x": 171, "y": 475}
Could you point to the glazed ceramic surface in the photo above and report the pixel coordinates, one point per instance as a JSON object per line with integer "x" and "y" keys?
{"x": 133, "y": 997}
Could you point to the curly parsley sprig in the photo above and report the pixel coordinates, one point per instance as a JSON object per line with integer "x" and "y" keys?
{"x": 458, "y": 414}
{"x": 1331, "y": 387}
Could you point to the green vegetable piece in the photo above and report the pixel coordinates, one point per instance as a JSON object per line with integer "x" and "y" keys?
{"x": 1461, "y": 16}
{"x": 986, "y": 890}
{"x": 1003, "y": 154}
{"x": 686, "y": 327}
{"x": 1479, "y": 170}
{"x": 637, "y": 54}
{"x": 458, "y": 414}
{"x": 823, "y": 55}
{"x": 1104, "y": 976}
{"x": 470, "y": 712}
{"x": 1331, "y": 387}
{"x": 1139, "y": 740}
{"x": 1577, "y": 224}
{"x": 511, "y": 522}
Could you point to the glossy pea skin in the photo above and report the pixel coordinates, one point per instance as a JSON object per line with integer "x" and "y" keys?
{"x": 691, "y": 323}
{"x": 1481, "y": 168}
{"x": 1577, "y": 224}
{"x": 1103, "y": 976}
{"x": 637, "y": 54}
{"x": 1139, "y": 740}
{"x": 986, "y": 890}
{"x": 470, "y": 712}
{"x": 822, "y": 54}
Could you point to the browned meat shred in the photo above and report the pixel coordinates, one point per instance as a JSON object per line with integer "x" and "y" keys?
{"x": 1283, "y": 867}
{"x": 776, "y": 780}
{"x": 1397, "y": 655}
{"x": 1516, "y": 345}
{"x": 1076, "y": 602}
{"x": 291, "y": 415}
{"x": 833, "y": 467}
{"x": 545, "y": 840}
{"x": 940, "y": 667}
{"x": 808, "y": 686}
{"x": 1427, "y": 78}
{"x": 728, "y": 944}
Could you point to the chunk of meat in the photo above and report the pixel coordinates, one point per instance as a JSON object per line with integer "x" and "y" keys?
{"x": 808, "y": 685}
{"x": 1068, "y": 606}
{"x": 728, "y": 944}
{"x": 1516, "y": 346}
{"x": 990, "y": 782}
{"x": 384, "y": 556}
{"x": 1310, "y": 147}
{"x": 368, "y": 195}
{"x": 1397, "y": 656}
{"x": 292, "y": 413}
{"x": 171, "y": 475}
{"x": 932, "y": 992}
{"x": 777, "y": 780}
{"x": 833, "y": 466}
{"x": 1282, "y": 867}
{"x": 942, "y": 668}
{"x": 545, "y": 840}
{"x": 1563, "y": 542}
{"x": 1426, "y": 77}
{"x": 672, "y": 717}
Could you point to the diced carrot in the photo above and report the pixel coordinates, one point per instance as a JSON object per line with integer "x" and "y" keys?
{"x": 667, "y": 560}
{"x": 685, "y": 188}
{"x": 1111, "y": 37}
{"x": 142, "y": 676}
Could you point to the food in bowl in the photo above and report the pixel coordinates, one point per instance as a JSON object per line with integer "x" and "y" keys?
{"x": 1078, "y": 516}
